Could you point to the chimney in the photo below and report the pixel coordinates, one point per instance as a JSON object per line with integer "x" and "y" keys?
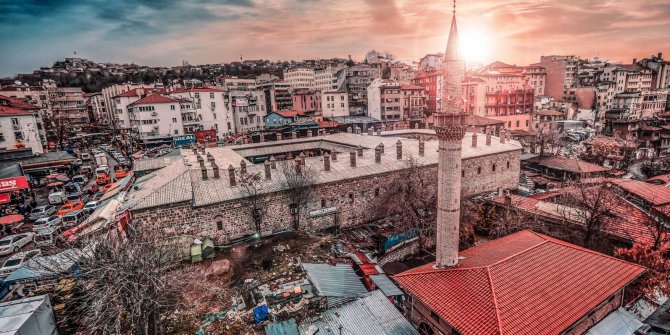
{"x": 379, "y": 132}
{"x": 273, "y": 162}
{"x": 261, "y": 138}
{"x": 422, "y": 147}
{"x": 203, "y": 169}
{"x": 398, "y": 149}
{"x": 298, "y": 165}
{"x": 359, "y": 150}
{"x": 660, "y": 55}
{"x": 502, "y": 136}
{"x": 381, "y": 145}
{"x": 474, "y": 140}
{"x": 294, "y": 135}
{"x": 279, "y": 137}
{"x": 333, "y": 154}
{"x": 508, "y": 199}
{"x": 378, "y": 155}
{"x": 508, "y": 135}
{"x": 488, "y": 136}
{"x": 201, "y": 161}
{"x": 326, "y": 162}
{"x": 268, "y": 170}
{"x": 349, "y": 130}
{"x": 352, "y": 159}
{"x": 309, "y": 133}
{"x": 315, "y": 132}
{"x": 215, "y": 169}
{"x": 358, "y": 130}
{"x": 301, "y": 157}
{"x": 371, "y": 131}
{"x": 231, "y": 175}
{"x": 202, "y": 150}
{"x": 634, "y": 60}
{"x": 416, "y": 125}
{"x": 243, "y": 167}
{"x": 195, "y": 150}
{"x": 210, "y": 158}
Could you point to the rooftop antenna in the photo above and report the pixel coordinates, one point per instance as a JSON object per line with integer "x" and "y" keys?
{"x": 454, "y": 7}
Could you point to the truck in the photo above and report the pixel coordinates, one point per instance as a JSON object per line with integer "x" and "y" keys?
{"x": 101, "y": 159}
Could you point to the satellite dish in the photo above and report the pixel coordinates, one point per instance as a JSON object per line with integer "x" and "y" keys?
{"x": 17, "y": 83}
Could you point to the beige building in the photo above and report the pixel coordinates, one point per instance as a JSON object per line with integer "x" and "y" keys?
{"x": 334, "y": 103}
{"x": 300, "y": 78}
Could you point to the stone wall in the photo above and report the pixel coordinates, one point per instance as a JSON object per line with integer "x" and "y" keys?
{"x": 400, "y": 252}
{"x": 344, "y": 202}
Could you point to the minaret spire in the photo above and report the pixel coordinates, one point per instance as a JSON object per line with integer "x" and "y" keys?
{"x": 453, "y": 52}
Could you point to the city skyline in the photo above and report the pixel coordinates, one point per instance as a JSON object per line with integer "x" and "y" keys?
{"x": 135, "y": 31}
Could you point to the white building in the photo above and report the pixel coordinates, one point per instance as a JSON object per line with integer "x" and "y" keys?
{"x": 334, "y": 103}
{"x": 385, "y": 100}
{"x": 157, "y": 116}
{"x": 300, "y": 78}
{"x": 19, "y": 128}
{"x": 211, "y": 110}
{"x": 249, "y": 110}
{"x": 236, "y": 83}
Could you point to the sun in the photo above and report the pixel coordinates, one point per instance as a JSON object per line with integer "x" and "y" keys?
{"x": 476, "y": 45}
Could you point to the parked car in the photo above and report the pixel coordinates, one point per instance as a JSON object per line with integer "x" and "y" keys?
{"x": 108, "y": 187}
{"x": 12, "y": 243}
{"x": 91, "y": 189}
{"x": 95, "y": 151}
{"x": 16, "y": 261}
{"x": 98, "y": 195}
{"x": 74, "y": 218}
{"x": 86, "y": 170}
{"x": 48, "y": 237}
{"x": 43, "y": 223}
{"x": 102, "y": 179}
{"x": 78, "y": 196}
{"x": 120, "y": 173}
{"x": 69, "y": 207}
{"x": 41, "y": 211}
{"x": 85, "y": 156}
{"x": 80, "y": 179}
{"x": 57, "y": 197}
{"x": 91, "y": 206}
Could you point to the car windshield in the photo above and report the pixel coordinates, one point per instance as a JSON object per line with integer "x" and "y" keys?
{"x": 43, "y": 237}
{"x": 12, "y": 262}
{"x": 39, "y": 210}
{"x": 5, "y": 242}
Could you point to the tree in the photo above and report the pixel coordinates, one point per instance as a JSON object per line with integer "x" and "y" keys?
{"x": 509, "y": 220}
{"x": 601, "y": 148}
{"x": 128, "y": 286}
{"x": 253, "y": 189}
{"x": 657, "y": 278}
{"x": 591, "y": 206}
{"x": 373, "y": 56}
{"x": 297, "y": 183}
{"x": 410, "y": 197}
{"x": 547, "y": 139}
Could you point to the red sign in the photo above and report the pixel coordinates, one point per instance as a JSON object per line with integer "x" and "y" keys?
{"x": 4, "y": 198}
{"x": 13, "y": 184}
{"x": 205, "y": 136}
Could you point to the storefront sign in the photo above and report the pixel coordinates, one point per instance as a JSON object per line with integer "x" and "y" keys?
{"x": 183, "y": 140}
{"x": 13, "y": 184}
{"x": 5, "y": 198}
{"x": 322, "y": 212}
{"x": 240, "y": 102}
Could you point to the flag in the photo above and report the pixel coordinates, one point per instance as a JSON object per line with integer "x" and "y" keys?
{"x": 75, "y": 52}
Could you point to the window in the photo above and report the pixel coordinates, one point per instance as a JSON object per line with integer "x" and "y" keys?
{"x": 323, "y": 203}
{"x": 211, "y": 95}
{"x": 197, "y": 95}
{"x": 15, "y": 121}
{"x": 377, "y": 192}
{"x": 517, "y": 123}
{"x": 176, "y": 132}
{"x": 18, "y": 135}
{"x": 351, "y": 198}
{"x": 434, "y": 316}
{"x": 493, "y": 168}
{"x": 228, "y": 125}
{"x": 214, "y": 116}
{"x": 508, "y": 165}
{"x": 462, "y": 173}
{"x": 213, "y": 104}
{"x": 174, "y": 120}
{"x": 219, "y": 225}
{"x": 479, "y": 170}
{"x": 526, "y": 123}
{"x": 172, "y": 107}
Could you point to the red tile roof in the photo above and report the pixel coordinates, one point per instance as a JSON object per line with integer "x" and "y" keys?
{"x": 329, "y": 124}
{"x": 19, "y": 103}
{"x": 525, "y": 283}
{"x": 290, "y": 113}
{"x": 199, "y": 89}
{"x": 6, "y": 110}
{"x": 662, "y": 179}
{"x": 129, "y": 93}
{"x": 155, "y": 99}
{"x": 411, "y": 87}
{"x": 569, "y": 164}
{"x": 549, "y": 112}
{"x": 654, "y": 194}
{"x": 476, "y": 120}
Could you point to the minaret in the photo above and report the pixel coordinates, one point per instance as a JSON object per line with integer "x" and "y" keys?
{"x": 450, "y": 124}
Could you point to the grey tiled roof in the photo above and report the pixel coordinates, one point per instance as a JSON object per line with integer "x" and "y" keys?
{"x": 182, "y": 179}
{"x": 372, "y": 314}
{"x": 334, "y": 281}
{"x": 153, "y": 163}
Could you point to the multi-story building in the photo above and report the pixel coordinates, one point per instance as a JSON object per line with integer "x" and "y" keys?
{"x": 307, "y": 102}
{"x": 20, "y": 125}
{"x": 235, "y": 83}
{"x": 413, "y": 101}
{"x": 300, "y": 78}
{"x": 210, "y": 111}
{"x": 67, "y": 105}
{"x": 109, "y": 107}
{"x": 385, "y": 100}
{"x": 536, "y": 77}
{"x": 561, "y": 74}
{"x": 660, "y": 69}
{"x": 432, "y": 81}
{"x": 325, "y": 79}
{"x": 431, "y": 62}
{"x": 334, "y": 103}
{"x": 277, "y": 95}
{"x": 157, "y": 116}
{"x": 249, "y": 109}
{"x": 97, "y": 109}
{"x": 358, "y": 79}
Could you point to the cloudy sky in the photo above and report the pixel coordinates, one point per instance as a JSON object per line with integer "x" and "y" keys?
{"x": 34, "y": 33}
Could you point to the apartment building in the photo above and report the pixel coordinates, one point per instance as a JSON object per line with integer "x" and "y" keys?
{"x": 20, "y": 125}
{"x": 300, "y": 78}
{"x": 334, "y": 103}
{"x": 277, "y": 95}
{"x": 385, "y": 100}
{"x": 248, "y": 109}
{"x": 536, "y": 77}
{"x": 561, "y": 74}
{"x": 358, "y": 78}
{"x": 307, "y": 102}
{"x": 432, "y": 82}
{"x": 211, "y": 110}
{"x": 157, "y": 116}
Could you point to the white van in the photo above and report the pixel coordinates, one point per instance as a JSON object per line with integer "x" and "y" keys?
{"x": 47, "y": 237}
{"x": 85, "y": 156}
{"x": 56, "y": 198}
{"x": 74, "y": 218}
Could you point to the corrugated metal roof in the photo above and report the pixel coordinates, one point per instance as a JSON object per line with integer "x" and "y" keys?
{"x": 288, "y": 327}
{"x": 619, "y": 322}
{"x": 385, "y": 285}
{"x": 14, "y": 314}
{"x": 372, "y": 314}
{"x": 334, "y": 281}
{"x": 154, "y": 163}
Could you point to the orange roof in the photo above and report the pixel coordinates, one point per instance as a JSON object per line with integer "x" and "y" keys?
{"x": 549, "y": 112}
{"x": 6, "y": 110}
{"x": 411, "y": 87}
{"x": 329, "y": 124}
{"x": 654, "y": 194}
{"x": 290, "y": 113}
{"x": 155, "y": 99}
{"x": 19, "y": 103}
{"x": 524, "y": 283}
{"x": 569, "y": 164}
{"x": 662, "y": 179}
{"x": 199, "y": 89}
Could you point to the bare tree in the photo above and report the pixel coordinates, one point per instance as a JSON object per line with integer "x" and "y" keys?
{"x": 297, "y": 183}
{"x": 128, "y": 286}
{"x": 253, "y": 189}
{"x": 591, "y": 206}
{"x": 546, "y": 140}
{"x": 509, "y": 220}
{"x": 410, "y": 197}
